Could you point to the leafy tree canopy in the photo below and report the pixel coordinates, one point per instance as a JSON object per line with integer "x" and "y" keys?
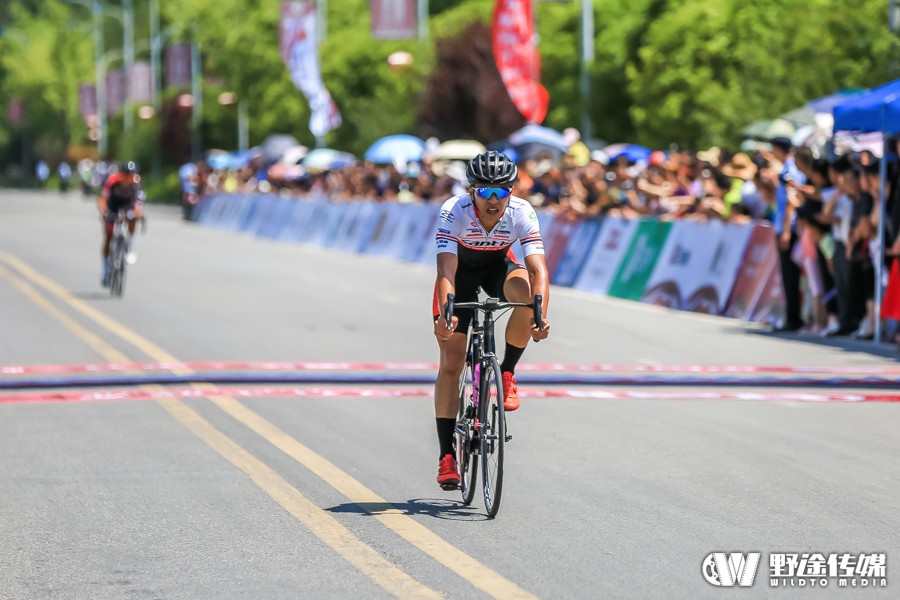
{"x": 688, "y": 71}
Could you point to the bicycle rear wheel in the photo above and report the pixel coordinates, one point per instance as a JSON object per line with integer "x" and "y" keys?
{"x": 493, "y": 438}
{"x": 465, "y": 431}
{"x": 117, "y": 267}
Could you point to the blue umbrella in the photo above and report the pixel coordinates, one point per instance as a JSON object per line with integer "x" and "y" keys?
{"x": 536, "y": 134}
{"x": 396, "y": 148}
{"x": 227, "y": 160}
{"x": 633, "y": 152}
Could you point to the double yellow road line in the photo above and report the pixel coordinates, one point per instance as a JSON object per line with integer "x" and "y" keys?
{"x": 323, "y": 525}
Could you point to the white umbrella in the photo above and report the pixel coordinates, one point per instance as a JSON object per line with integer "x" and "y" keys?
{"x": 293, "y": 155}
{"x": 457, "y": 150}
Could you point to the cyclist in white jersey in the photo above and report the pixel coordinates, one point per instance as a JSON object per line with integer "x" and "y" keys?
{"x": 474, "y": 238}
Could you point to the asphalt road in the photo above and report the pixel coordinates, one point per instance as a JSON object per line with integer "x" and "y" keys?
{"x": 332, "y": 497}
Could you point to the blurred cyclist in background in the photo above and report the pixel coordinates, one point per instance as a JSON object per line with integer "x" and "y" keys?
{"x": 121, "y": 191}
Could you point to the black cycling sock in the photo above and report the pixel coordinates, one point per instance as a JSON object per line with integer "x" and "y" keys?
{"x": 511, "y": 358}
{"x": 445, "y": 428}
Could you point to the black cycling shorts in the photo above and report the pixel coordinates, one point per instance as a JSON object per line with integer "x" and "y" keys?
{"x": 489, "y": 278}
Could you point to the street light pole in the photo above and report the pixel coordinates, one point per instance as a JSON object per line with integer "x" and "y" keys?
{"x": 128, "y": 23}
{"x": 155, "y": 51}
{"x": 423, "y": 19}
{"x": 197, "y": 93}
{"x": 100, "y": 68}
{"x": 243, "y": 125}
{"x": 587, "y": 58}
{"x": 155, "y": 44}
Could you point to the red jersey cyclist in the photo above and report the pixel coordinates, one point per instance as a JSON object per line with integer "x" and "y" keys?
{"x": 474, "y": 238}
{"x": 121, "y": 191}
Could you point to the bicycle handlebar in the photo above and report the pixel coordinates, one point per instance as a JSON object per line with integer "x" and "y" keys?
{"x": 494, "y": 304}
{"x": 128, "y": 215}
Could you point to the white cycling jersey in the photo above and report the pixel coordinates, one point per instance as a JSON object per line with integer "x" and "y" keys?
{"x": 460, "y": 232}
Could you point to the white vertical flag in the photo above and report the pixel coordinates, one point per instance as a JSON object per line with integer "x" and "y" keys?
{"x": 299, "y": 48}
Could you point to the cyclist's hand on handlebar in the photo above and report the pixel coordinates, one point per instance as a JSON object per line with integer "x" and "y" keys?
{"x": 536, "y": 333}
{"x": 442, "y": 331}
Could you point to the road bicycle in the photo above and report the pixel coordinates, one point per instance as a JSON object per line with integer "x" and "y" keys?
{"x": 118, "y": 251}
{"x": 481, "y": 421}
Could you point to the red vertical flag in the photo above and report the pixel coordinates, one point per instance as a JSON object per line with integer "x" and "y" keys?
{"x": 517, "y": 58}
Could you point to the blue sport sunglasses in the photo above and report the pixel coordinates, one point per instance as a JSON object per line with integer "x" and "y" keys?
{"x": 498, "y": 192}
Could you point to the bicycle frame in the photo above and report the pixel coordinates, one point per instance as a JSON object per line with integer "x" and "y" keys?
{"x": 487, "y": 427}
{"x": 119, "y": 244}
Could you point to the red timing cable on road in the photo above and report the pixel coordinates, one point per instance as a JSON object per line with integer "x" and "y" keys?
{"x": 216, "y": 366}
{"x": 383, "y": 392}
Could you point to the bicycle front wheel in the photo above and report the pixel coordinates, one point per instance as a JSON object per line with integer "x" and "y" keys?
{"x": 493, "y": 435}
{"x": 465, "y": 432}
{"x": 117, "y": 269}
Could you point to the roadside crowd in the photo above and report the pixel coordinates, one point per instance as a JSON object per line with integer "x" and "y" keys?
{"x": 825, "y": 213}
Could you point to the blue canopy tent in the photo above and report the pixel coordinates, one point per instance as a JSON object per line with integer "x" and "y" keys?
{"x": 826, "y": 104}
{"x": 870, "y": 111}
{"x": 877, "y": 110}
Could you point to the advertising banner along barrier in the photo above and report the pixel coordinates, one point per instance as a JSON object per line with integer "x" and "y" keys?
{"x": 575, "y": 254}
{"x": 757, "y": 293}
{"x": 715, "y": 268}
{"x": 639, "y": 260}
{"x": 697, "y": 266}
{"x": 603, "y": 260}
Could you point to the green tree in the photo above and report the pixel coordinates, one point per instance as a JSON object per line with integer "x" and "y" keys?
{"x": 41, "y": 65}
{"x": 708, "y": 69}
{"x": 687, "y": 71}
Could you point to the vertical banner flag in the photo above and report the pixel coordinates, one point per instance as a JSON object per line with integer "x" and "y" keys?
{"x": 140, "y": 85}
{"x": 115, "y": 90}
{"x": 394, "y": 19}
{"x": 517, "y": 58}
{"x": 15, "y": 112}
{"x": 87, "y": 101}
{"x": 299, "y": 48}
{"x": 178, "y": 65}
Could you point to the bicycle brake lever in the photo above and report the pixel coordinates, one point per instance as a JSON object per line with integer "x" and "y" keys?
{"x": 448, "y": 310}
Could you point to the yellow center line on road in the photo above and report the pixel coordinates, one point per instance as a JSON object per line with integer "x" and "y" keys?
{"x": 87, "y": 336}
{"x": 111, "y": 325}
{"x": 327, "y": 528}
{"x": 324, "y": 526}
{"x": 477, "y": 574}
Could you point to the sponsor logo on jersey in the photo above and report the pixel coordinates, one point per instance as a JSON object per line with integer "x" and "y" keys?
{"x": 486, "y": 243}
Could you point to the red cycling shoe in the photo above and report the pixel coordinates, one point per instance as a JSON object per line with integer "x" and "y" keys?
{"x": 448, "y": 473}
